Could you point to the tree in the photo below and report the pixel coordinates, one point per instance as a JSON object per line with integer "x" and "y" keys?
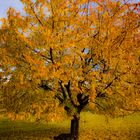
{"x": 78, "y": 51}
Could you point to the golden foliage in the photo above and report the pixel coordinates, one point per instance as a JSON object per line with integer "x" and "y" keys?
{"x": 93, "y": 44}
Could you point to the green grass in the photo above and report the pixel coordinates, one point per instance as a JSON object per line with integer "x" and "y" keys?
{"x": 92, "y": 127}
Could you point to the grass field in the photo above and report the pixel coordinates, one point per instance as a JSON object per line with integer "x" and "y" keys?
{"x": 92, "y": 127}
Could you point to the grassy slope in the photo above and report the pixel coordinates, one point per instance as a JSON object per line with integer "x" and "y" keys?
{"x": 92, "y": 127}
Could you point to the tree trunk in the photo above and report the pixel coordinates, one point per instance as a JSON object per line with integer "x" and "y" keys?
{"x": 75, "y": 127}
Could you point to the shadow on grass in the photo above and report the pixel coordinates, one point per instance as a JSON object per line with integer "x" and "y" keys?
{"x": 29, "y": 131}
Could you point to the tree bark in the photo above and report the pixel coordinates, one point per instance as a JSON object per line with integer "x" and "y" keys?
{"x": 75, "y": 128}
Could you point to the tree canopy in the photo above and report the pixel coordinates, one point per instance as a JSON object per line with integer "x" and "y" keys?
{"x": 79, "y": 52}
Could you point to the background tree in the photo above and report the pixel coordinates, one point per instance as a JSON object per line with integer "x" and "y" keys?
{"x": 79, "y": 52}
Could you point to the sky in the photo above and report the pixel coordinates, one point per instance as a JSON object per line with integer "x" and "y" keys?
{"x": 5, "y": 4}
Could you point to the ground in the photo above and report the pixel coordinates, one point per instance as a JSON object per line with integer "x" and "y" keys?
{"x": 92, "y": 127}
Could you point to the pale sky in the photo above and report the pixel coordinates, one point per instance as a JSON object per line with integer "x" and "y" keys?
{"x": 5, "y": 4}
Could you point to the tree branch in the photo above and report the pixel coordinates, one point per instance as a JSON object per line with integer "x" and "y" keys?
{"x": 51, "y": 55}
{"x": 69, "y": 93}
{"x": 63, "y": 90}
{"x": 32, "y": 8}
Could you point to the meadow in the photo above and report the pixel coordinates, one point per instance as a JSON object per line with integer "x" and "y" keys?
{"x": 92, "y": 127}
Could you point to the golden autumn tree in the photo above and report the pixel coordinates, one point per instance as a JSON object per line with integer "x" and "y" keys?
{"x": 81, "y": 52}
